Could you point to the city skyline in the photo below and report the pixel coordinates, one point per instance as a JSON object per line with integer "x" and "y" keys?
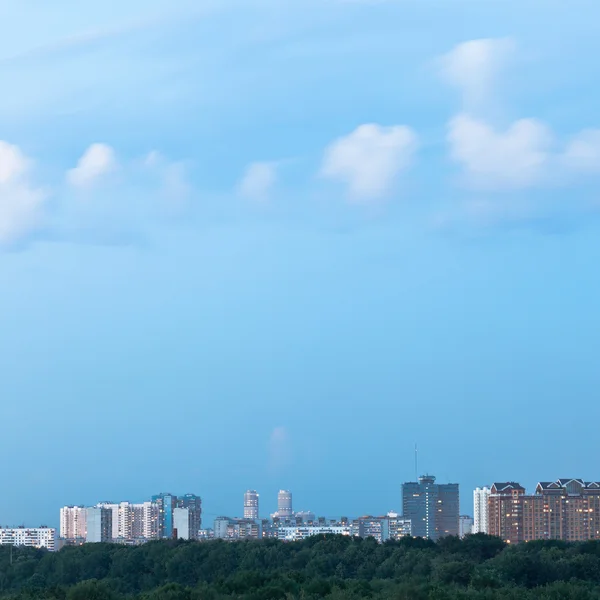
{"x": 314, "y": 232}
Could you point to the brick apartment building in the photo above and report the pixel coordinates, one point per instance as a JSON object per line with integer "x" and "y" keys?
{"x": 565, "y": 509}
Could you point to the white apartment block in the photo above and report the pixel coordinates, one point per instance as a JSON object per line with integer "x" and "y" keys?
{"x": 301, "y": 532}
{"x": 481, "y": 514}
{"x": 39, "y": 537}
{"x": 133, "y": 521}
{"x": 73, "y": 522}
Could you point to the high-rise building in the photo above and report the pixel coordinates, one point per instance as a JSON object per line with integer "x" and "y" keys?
{"x": 565, "y": 509}
{"x": 181, "y": 523}
{"x": 37, "y": 537}
{"x": 114, "y": 512}
{"x": 481, "y": 510}
{"x": 284, "y": 504}
{"x": 193, "y": 504}
{"x": 432, "y": 508}
{"x": 73, "y": 523}
{"x": 99, "y": 524}
{"x": 465, "y": 526}
{"x": 166, "y": 503}
{"x": 251, "y": 504}
{"x": 505, "y": 511}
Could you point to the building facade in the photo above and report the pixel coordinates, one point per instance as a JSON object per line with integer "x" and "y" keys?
{"x": 99, "y": 525}
{"x": 193, "y": 505}
{"x": 481, "y": 510}
{"x": 166, "y": 504}
{"x": 565, "y": 509}
{"x": 284, "y": 504}
{"x": 251, "y": 505}
{"x": 73, "y": 523}
{"x": 226, "y": 528}
{"x": 37, "y": 537}
{"x": 465, "y": 526}
{"x": 432, "y": 508}
{"x": 290, "y": 533}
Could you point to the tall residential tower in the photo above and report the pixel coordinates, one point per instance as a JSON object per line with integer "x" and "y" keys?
{"x": 251, "y": 505}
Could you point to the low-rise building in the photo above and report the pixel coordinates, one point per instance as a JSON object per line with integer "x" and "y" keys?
{"x": 32, "y": 537}
{"x": 226, "y": 528}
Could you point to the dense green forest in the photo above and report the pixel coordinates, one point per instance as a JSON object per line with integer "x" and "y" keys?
{"x": 334, "y": 567}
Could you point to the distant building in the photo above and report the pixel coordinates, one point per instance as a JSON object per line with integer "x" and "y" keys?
{"x": 375, "y": 527}
{"x": 193, "y": 504}
{"x": 291, "y": 533}
{"x": 432, "y": 508}
{"x": 114, "y": 512}
{"x": 181, "y": 524}
{"x": 99, "y": 525}
{"x": 73, "y": 523}
{"x": 305, "y": 516}
{"x": 465, "y": 526}
{"x": 166, "y": 503}
{"x": 565, "y": 509}
{"x": 505, "y": 511}
{"x": 481, "y": 513}
{"x": 226, "y": 528}
{"x": 37, "y": 537}
{"x": 145, "y": 521}
{"x": 284, "y": 505}
{"x": 400, "y": 526}
{"x": 251, "y": 505}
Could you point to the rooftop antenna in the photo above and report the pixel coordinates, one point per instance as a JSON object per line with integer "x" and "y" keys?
{"x": 416, "y": 463}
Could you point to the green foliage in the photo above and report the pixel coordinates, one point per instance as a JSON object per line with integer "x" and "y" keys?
{"x": 479, "y": 567}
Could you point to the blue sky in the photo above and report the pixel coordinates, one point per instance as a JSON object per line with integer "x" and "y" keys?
{"x": 263, "y": 244}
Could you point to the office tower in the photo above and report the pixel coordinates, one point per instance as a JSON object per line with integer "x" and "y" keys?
{"x": 193, "y": 504}
{"x": 166, "y": 503}
{"x": 432, "y": 508}
{"x": 35, "y": 537}
{"x": 481, "y": 498}
{"x": 251, "y": 505}
{"x": 73, "y": 522}
{"x": 284, "y": 504}
{"x": 99, "y": 524}
{"x": 465, "y": 526}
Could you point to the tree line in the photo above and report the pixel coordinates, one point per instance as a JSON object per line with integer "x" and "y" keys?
{"x": 480, "y": 567}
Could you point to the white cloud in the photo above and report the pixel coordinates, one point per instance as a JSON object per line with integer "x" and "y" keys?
{"x": 583, "y": 151}
{"x": 369, "y": 159}
{"x": 516, "y": 157}
{"x": 97, "y": 161}
{"x": 473, "y": 67}
{"x": 280, "y": 449}
{"x": 258, "y": 181}
{"x": 21, "y": 203}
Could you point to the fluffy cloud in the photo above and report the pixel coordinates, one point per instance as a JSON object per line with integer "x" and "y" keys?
{"x": 473, "y": 66}
{"x": 96, "y": 162}
{"x": 21, "y": 203}
{"x": 258, "y": 181}
{"x": 516, "y": 157}
{"x": 369, "y": 159}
